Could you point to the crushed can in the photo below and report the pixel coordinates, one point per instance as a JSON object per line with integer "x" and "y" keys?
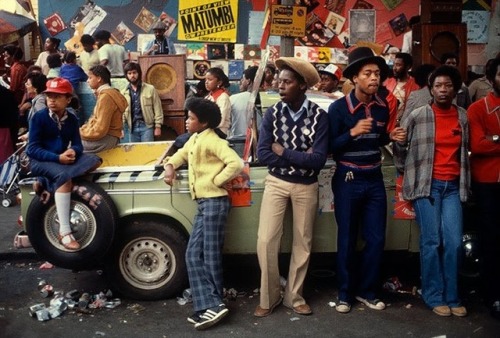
{"x": 111, "y": 304}
{"x": 84, "y": 300}
{"x": 43, "y": 315}
{"x": 35, "y": 308}
{"x": 47, "y": 291}
{"x": 186, "y": 294}
{"x": 73, "y": 294}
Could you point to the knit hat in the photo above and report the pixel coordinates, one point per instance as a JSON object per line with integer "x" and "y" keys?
{"x": 331, "y": 69}
{"x": 362, "y": 56}
{"x": 159, "y": 25}
{"x": 301, "y": 67}
{"x": 59, "y": 85}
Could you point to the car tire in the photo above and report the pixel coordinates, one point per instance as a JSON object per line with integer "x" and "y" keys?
{"x": 93, "y": 217}
{"x": 147, "y": 261}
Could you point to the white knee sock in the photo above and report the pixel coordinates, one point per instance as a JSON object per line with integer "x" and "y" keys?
{"x": 63, "y": 203}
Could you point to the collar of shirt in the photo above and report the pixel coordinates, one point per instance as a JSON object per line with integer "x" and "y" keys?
{"x": 56, "y": 119}
{"x": 296, "y": 114}
{"x": 489, "y": 101}
{"x": 139, "y": 86}
{"x": 354, "y": 104}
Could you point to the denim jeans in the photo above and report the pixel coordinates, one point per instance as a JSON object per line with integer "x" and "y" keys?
{"x": 440, "y": 220}
{"x": 139, "y": 133}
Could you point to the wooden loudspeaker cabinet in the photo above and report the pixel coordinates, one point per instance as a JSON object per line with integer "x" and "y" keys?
{"x": 167, "y": 73}
{"x": 441, "y": 11}
{"x": 431, "y": 41}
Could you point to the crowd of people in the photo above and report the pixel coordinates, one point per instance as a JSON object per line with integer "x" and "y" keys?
{"x": 445, "y": 137}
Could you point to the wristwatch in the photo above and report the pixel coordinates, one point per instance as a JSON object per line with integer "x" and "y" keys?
{"x": 495, "y": 138}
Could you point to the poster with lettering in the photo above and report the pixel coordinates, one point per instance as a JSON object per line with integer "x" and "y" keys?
{"x": 210, "y": 21}
{"x": 477, "y": 25}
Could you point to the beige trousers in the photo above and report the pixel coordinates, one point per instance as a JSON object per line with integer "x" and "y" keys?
{"x": 304, "y": 199}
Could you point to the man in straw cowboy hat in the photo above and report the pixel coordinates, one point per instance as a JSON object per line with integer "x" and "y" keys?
{"x": 293, "y": 142}
{"x": 358, "y": 128}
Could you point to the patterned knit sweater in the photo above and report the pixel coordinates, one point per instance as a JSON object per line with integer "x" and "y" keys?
{"x": 296, "y": 165}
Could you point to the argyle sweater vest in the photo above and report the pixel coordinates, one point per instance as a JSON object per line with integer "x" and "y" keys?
{"x": 296, "y": 135}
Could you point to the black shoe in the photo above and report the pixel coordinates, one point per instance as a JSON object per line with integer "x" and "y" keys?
{"x": 495, "y": 309}
{"x": 211, "y": 317}
{"x": 195, "y": 317}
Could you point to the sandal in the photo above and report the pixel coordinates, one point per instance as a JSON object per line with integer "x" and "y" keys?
{"x": 69, "y": 242}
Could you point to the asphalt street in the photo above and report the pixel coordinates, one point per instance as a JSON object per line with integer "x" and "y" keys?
{"x": 405, "y": 315}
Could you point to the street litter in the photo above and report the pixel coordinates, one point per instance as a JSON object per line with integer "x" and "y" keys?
{"x": 293, "y": 319}
{"x": 74, "y": 300}
{"x": 230, "y": 294}
{"x": 46, "y": 266}
{"x": 393, "y": 284}
{"x": 136, "y": 308}
{"x": 332, "y": 304}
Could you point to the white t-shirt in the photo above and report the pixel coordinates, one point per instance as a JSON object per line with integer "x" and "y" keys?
{"x": 239, "y": 123}
{"x": 41, "y": 62}
{"x": 89, "y": 60}
{"x": 115, "y": 54}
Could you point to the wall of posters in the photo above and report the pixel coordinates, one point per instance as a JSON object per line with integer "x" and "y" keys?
{"x": 127, "y": 19}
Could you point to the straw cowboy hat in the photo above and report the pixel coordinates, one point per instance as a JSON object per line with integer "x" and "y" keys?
{"x": 301, "y": 67}
{"x": 362, "y": 56}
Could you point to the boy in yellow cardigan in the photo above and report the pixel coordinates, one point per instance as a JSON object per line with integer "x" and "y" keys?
{"x": 212, "y": 163}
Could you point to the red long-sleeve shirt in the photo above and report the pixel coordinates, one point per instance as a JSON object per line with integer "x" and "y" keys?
{"x": 17, "y": 74}
{"x": 484, "y": 120}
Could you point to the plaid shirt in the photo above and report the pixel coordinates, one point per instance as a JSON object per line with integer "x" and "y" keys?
{"x": 416, "y": 157}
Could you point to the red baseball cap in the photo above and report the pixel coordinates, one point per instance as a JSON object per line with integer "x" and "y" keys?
{"x": 59, "y": 85}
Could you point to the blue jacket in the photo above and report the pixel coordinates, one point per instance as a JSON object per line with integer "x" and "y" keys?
{"x": 47, "y": 141}
{"x": 363, "y": 150}
{"x": 73, "y": 73}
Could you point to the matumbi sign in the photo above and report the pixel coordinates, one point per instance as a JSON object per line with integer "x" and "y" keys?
{"x": 213, "y": 21}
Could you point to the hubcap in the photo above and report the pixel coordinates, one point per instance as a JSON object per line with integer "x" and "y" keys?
{"x": 83, "y": 225}
{"x": 147, "y": 263}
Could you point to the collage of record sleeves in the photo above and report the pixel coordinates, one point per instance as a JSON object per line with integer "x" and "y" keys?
{"x": 88, "y": 17}
{"x": 233, "y": 59}
{"x": 329, "y": 23}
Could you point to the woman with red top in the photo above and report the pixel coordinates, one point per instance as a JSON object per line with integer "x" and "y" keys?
{"x": 484, "y": 121}
{"x": 436, "y": 179}
{"x": 12, "y": 56}
{"x": 217, "y": 83}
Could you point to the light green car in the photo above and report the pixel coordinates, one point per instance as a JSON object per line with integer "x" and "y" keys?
{"x": 125, "y": 217}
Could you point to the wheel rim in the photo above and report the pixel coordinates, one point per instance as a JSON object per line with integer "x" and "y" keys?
{"x": 470, "y": 255}
{"x": 83, "y": 226}
{"x": 147, "y": 263}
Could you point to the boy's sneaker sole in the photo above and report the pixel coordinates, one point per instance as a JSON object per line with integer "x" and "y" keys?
{"x": 210, "y": 317}
{"x": 374, "y": 304}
